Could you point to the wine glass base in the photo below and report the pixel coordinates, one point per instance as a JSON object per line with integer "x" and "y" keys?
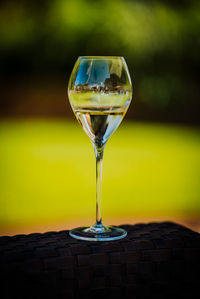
{"x": 98, "y": 233}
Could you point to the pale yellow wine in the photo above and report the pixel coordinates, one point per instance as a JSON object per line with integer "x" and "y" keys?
{"x": 99, "y": 122}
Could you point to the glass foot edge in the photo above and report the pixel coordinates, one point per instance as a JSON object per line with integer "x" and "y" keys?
{"x": 89, "y": 233}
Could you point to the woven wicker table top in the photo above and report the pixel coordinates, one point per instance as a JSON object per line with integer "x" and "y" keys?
{"x": 155, "y": 259}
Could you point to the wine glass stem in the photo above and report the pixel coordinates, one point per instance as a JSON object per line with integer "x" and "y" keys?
{"x": 99, "y": 164}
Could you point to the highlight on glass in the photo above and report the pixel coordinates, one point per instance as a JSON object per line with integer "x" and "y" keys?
{"x": 100, "y": 92}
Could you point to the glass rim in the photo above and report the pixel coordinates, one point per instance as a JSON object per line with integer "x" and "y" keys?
{"x": 101, "y": 57}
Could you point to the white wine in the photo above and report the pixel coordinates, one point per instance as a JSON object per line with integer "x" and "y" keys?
{"x": 99, "y": 122}
{"x": 99, "y": 113}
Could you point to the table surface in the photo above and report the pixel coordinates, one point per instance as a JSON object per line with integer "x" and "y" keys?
{"x": 155, "y": 259}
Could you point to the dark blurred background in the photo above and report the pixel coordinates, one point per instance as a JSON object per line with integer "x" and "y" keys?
{"x": 41, "y": 40}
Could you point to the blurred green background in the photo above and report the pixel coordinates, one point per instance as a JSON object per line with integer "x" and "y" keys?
{"x": 151, "y": 163}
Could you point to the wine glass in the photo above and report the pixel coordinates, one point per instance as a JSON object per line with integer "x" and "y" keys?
{"x": 99, "y": 92}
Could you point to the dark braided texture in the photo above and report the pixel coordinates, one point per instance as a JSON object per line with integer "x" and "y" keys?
{"x": 155, "y": 260}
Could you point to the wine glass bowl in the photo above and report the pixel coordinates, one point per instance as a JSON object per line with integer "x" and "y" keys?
{"x": 99, "y": 92}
